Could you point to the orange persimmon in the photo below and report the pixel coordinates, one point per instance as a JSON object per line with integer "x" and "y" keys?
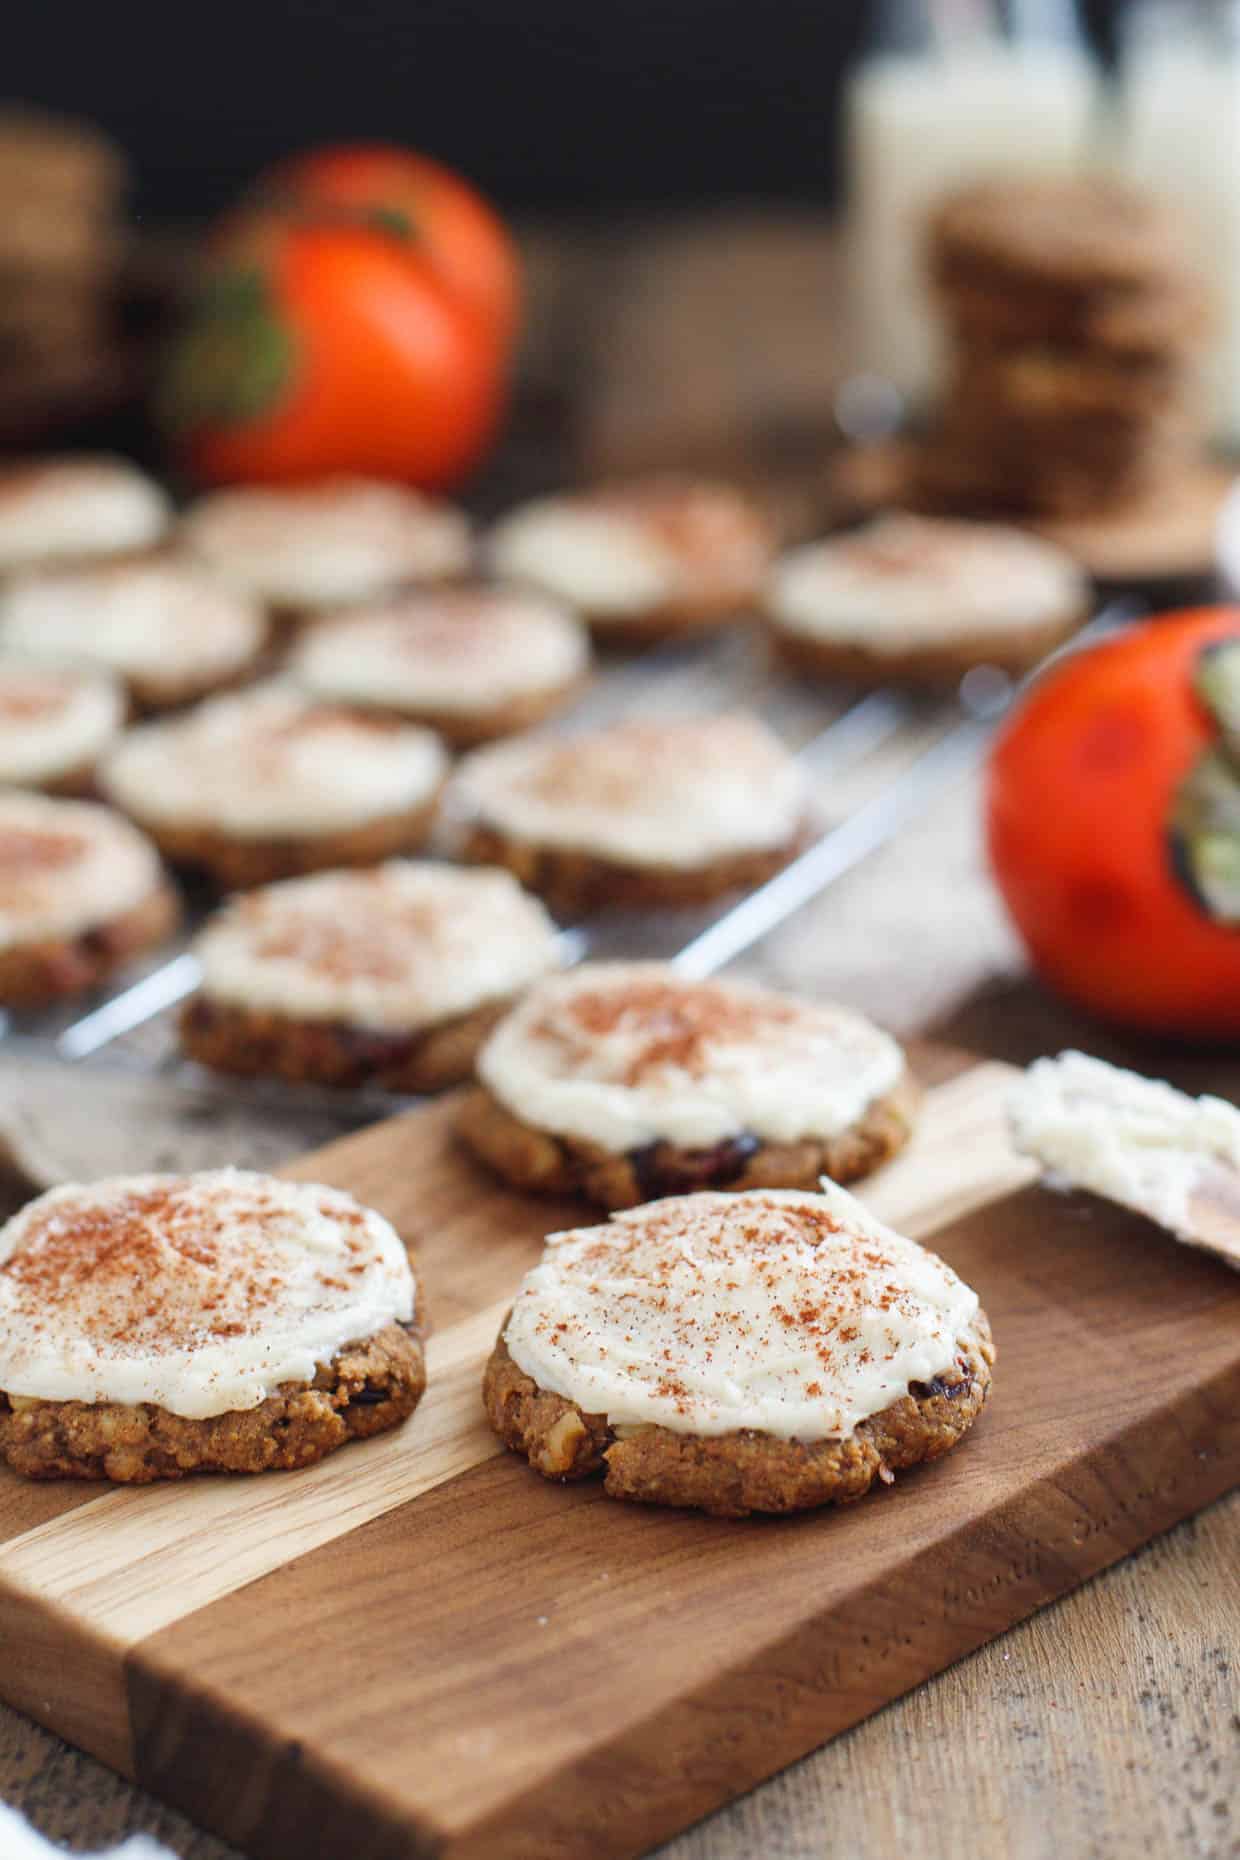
{"x": 357, "y": 316}
{"x": 1113, "y": 825}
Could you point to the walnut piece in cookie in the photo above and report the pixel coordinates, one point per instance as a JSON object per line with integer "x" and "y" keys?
{"x": 770, "y": 1351}
{"x": 392, "y": 976}
{"x": 81, "y": 893}
{"x": 677, "y": 811}
{"x": 625, "y": 1082}
{"x": 154, "y": 1326}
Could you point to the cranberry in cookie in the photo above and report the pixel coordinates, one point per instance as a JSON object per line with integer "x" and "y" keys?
{"x": 392, "y": 976}
{"x": 624, "y": 1082}
{"x": 153, "y": 1326}
{"x": 769, "y": 1351}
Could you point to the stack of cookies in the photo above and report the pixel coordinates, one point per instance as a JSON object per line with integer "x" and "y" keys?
{"x": 60, "y": 194}
{"x": 1075, "y": 327}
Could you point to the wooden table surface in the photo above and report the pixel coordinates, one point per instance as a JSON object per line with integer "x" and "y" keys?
{"x": 1108, "y": 1725}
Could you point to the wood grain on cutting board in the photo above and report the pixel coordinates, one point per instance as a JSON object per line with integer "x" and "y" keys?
{"x": 422, "y": 1639}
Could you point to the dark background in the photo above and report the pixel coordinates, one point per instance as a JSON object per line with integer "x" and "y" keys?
{"x": 548, "y": 104}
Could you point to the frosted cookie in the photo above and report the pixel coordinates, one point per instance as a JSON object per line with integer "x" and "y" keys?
{"x": 1138, "y": 1142}
{"x": 164, "y": 627}
{"x": 158, "y": 1325}
{"x": 664, "y": 555}
{"x": 393, "y": 976}
{"x": 55, "y": 724}
{"x": 622, "y": 1082}
{"x": 69, "y": 509}
{"x": 734, "y": 1353}
{"x": 269, "y": 783}
{"x": 81, "y": 893}
{"x": 638, "y": 814}
{"x": 923, "y": 598}
{"x": 306, "y": 548}
{"x": 473, "y": 663}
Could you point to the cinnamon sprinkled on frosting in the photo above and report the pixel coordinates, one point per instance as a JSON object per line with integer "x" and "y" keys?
{"x": 791, "y": 1314}
{"x": 620, "y": 549}
{"x": 452, "y": 649}
{"x": 66, "y": 866}
{"x": 54, "y": 721}
{"x": 625, "y": 1054}
{"x": 271, "y": 760}
{"x": 685, "y": 791}
{"x": 395, "y": 948}
{"x": 201, "y": 1293}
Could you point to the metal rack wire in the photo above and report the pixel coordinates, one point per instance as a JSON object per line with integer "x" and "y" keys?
{"x": 875, "y": 762}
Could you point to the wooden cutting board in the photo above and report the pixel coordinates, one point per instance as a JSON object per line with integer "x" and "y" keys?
{"x": 419, "y": 1647}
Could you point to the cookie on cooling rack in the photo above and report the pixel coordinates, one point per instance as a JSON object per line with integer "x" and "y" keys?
{"x": 392, "y": 976}
{"x": 639, "y": 560}
{"x": 922, "y": 599}
{"x": 270, "y": 783}
{"x": 81, "y": 893}
{"x": 55, "y": 724}
{"x": 472, "y": 663}
{"x": 303, "y": 549}
{"x": 71, "y": 509}
{"x": 764, "y": 1352}
{"x": 164, "y": 627}
{"x": 634, "y": 815}
{"x": 623, "y": 1082}
{"x": 153, "y": 1326}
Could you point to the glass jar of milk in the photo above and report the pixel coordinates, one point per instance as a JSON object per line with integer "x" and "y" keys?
{"x": 1179, "y": 133}
{"x": 947, "y": 96}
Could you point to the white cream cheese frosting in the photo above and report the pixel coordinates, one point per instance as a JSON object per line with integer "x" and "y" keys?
{"x": 273, "y": 761}
{"x": 330, "y": 544}
{"x": 67, "y": 866}
{"x": 626, "y": 1054}
{"x": 394, "y": 949}
{"x": 59, "y": 509}
{"x": 680, "y": 793}
{"x": 201, "y": 1293}
{"x": 54, "y": 721}
{"x": 450, "y": 650}
{"x": 904, "y": 582}
{"x": 793, "y": 1314}
{"x": 621, "y": 551}
{"x": 159, "y": 623}
{"x": 1134, "y": 1140}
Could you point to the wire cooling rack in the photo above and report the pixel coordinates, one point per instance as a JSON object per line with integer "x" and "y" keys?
{"x": 875, "y": 760}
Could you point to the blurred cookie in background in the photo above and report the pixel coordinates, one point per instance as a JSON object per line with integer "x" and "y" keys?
{"x": 471, "y": 662}
{"x": 55, "y": 723}
{"x": 640, "y": 560}
{"x": 163, "y": 626}
{"x": 305, "y": 549}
